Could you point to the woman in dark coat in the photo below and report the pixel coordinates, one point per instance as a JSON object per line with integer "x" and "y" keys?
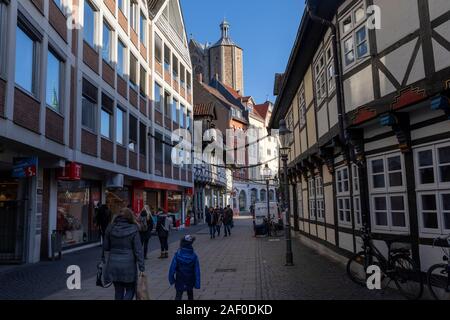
{"x": 146, "y": 227}
{"x": 162, "y": 228}
{"x": 122, "y": 241}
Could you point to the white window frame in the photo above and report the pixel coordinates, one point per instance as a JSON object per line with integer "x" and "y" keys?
{"x": 96, "y": 12}
{"x": 312, "y": 198}
{"x": 142, "y": 31}
{"x": 437, "y": 188}
{"x": 302, "y": 106}
{"x": 351, "y": 34}
{"x": 343, "y": 196}
{"x": 111, "y": 42}
{"x": 357, "y": 214}
{"x": 320, "y": 78}
{"x": 320, "y": 198}
{"x": 388, "y": 192}
{"x": 331, "y": 78}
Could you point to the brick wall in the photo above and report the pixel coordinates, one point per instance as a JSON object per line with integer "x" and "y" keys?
{"x": 122, "y": 87}
{"x": 26, "y": 111}
{"x": 111, "y": 5}
{"x": 133, "y": 97}
{"x": 107, "y": 152}
{"x": 134, "y": 38}
{"x": 121, "y": 156}
{"x": 133, "y": 160}
{"x": 108, "y": 74}
{"x": 54, "y": 126}
{"x": 90, "y": 57}
{"x": 57, "y": 20}
{"x": 123, "y": 22}
{"x": 88, "y": 143}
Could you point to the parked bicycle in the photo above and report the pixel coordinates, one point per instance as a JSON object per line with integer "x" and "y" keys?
{"x": 439, "y": 274}
{"x": 397, "y": 267}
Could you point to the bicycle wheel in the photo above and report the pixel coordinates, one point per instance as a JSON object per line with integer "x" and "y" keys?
{"x": 357, "y": 267}
{"x": 438, "y": 282}
{"x": 407, "y": 277}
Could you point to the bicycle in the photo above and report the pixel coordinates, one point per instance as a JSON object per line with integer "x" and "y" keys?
{"x": 438, "y": 275}
{"x": 397, "y": 267}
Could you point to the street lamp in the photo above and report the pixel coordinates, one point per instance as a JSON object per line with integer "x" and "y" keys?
{"x": 267, "y": 175}
{"x": 285, "y": 140}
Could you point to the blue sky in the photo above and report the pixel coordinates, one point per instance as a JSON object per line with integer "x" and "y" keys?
{"x": 265, "y": 29}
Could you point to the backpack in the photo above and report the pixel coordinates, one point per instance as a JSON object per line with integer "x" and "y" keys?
{"x": 143, "y": 225}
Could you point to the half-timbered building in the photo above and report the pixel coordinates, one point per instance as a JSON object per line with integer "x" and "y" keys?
{"x": 366, "y": 93}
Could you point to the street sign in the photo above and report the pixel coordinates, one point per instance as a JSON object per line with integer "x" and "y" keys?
{"x": 24, "y": 167}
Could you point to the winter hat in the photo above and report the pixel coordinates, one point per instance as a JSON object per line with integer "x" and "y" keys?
{"x": 187, "y": 241}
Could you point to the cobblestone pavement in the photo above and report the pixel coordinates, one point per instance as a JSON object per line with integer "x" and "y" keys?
{"x": 246, "y": 268}
{"x": 37, "y": 281}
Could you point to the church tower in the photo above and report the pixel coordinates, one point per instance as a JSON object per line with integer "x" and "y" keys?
{"x": 226, "y": 60}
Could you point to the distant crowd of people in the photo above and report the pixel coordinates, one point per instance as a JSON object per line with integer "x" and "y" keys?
{"x": 218, "y": 217}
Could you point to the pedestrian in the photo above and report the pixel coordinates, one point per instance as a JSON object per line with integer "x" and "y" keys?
{"x": 146, "y": 227}
{"x": 125, "y": 255}
{"x": 227, "y": 219}
{"x": 219, "y": 213}
{"x": 184, "y": 271}
{"x": 102, "y": 219}
{"x": 211, "y": 223}
{"x": 162, "y": 228}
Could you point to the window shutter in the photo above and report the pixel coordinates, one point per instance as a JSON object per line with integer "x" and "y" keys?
{"x": 107, "y": 103}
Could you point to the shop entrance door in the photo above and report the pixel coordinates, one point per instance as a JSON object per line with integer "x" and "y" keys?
{"x": 12, "y": 223}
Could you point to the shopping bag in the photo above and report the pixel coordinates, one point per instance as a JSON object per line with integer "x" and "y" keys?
{"x": 142, "y": 288}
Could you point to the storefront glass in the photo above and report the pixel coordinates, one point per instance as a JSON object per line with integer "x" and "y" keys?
{"x": 117, "y": 199}
{"x": 76, "y": 203}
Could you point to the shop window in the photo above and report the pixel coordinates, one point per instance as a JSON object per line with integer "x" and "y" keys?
{"x": 158, "y": 97}
{"x": 121, "y": 58}
{"x": 175, "y": 111}
{"x": 388, "y": 192}
{"x": 433, "y": 187}
{"x": 167, "y": 58}
{"x": 75, "y": 205}
{"x": 133, "y": 70}
{"x": 89, "y": 106}
{"x": 89, "y": 25}
{"x": 27, "y": 57}
{"x": 143, "y": 81}
{"x": 355, "y": 43}
{"x": 158, "y": 48}
{"x": 132, "y": 133}
{"x": 142, "y": 139}
{"x": 106, "y": 43}
{"x": 55, "y": 69}
{"x": 120, "y": 126}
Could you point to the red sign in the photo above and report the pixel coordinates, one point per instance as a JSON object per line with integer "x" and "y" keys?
{"x": 189, "y": 191}
{"x": 71, "y": 172}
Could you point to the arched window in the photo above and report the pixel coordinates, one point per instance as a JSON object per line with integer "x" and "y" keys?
{"x": 254, "y": 196}
{"x": 263, "y": 194}
{"x": 271, "y": 195}
{"x": 242, "y": 201}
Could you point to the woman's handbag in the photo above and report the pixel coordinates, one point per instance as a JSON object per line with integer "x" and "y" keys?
{"x": 100, "y": 272}
{"x": 142, "y": 288}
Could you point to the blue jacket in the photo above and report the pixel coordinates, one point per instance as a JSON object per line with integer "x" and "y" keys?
{"x": 185, "y": 269}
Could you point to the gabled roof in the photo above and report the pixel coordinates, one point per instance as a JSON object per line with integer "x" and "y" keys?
{"x": 309, "y": 36}
{"x": 205, "y": 110}
{"x": 262, "y": 109}
{"x": 233, "y": 92}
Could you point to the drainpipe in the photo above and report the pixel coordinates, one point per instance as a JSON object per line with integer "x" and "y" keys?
{"x": 337, "y": 70}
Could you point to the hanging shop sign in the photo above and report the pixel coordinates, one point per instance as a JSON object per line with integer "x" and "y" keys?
{"x": 71, "y": 172}
{"x": 24, "y": 167}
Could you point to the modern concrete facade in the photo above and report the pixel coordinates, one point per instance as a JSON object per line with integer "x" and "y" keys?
{"x": 83, "y": 89}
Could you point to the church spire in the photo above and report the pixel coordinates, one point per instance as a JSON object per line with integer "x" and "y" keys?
{"x": 225, "y": 27}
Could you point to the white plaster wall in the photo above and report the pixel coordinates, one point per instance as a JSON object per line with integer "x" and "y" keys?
{"x": 438, "y": 7}
{"x": 346, "y": 241}
{"x": 398, "y": 19}
{"x": 442, "y": 55}
{"x": 441, "y": 127}
{"x": 322, "y": 121}
{"x": 358, "y": 89}
{"x": 391, "y": 141}
{"x": 321, "y": 232}
{"x": 331, "y": 237}
{"x": 332, "y": 112}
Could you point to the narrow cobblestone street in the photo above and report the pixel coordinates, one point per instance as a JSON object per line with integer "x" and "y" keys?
{"x": 245, "y": 268}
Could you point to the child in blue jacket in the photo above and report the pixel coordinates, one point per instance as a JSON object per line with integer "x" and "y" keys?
{"x": 185, "y": 269}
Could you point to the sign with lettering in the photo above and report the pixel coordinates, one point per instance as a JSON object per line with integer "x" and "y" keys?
{"x": 71, "y": 172}
{"x": 25, "y": 167}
